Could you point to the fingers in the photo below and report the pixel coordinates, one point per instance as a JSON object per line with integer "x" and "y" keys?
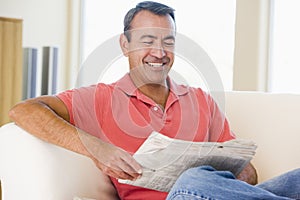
{"x": 119, "y": 172}
{"x": 121, "y": 165}
{"x": 132, "y": 165}
{"x": 128, "y": 169}
{"x": 126, "y": 166}
{"x": 116, "y": 162}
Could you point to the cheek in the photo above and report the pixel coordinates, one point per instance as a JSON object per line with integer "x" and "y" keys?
{"x": 135, "y": 59}
{"x": 170, "y": 55}
{"x": 138, "y": 55}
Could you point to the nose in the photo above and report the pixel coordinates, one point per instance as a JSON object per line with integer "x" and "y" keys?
{"x": 158, "y": 52}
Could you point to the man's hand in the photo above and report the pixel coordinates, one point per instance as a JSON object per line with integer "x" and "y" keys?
{"x": 110, "y": 159}
{"x": 248, "y": 175}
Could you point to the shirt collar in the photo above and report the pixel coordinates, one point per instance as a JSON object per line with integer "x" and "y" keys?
{"x": 126, "y": 85}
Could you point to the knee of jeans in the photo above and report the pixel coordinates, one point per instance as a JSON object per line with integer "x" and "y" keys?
{"x": 196, "y": 172}
{"x": 296, "y": 171}
{"x": 193, "y": 177}
{"x": 200, "y": 169}
{"x": 205, "y": 172}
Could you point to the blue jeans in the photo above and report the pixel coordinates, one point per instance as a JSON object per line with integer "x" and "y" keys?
{"x": 206, "y": 183}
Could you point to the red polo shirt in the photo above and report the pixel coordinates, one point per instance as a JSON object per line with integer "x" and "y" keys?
{"x": 118, "y": 113}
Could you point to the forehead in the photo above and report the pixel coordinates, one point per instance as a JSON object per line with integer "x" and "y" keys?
{"x": 147, "y": 20}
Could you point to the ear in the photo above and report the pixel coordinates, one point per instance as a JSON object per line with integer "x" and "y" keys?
{"x": 124, "y": 44}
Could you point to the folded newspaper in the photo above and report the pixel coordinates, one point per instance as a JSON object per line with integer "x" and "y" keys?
{"x": 163, "y": 159}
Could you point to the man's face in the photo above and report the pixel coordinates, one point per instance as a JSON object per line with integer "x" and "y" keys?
{"x": 151, "y": 47}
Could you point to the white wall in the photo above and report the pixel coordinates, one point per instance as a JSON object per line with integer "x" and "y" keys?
{"x": 251, "y": 45}
{"x": 57, "y": 22}
{"x": 46, "y": 23}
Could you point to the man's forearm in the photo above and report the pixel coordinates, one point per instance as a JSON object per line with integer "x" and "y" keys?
{"x": 39, "y": 120}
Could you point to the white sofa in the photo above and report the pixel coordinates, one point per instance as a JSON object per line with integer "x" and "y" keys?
{"x": 32, "y": 169}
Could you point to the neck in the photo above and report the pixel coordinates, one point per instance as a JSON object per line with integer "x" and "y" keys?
{"x": 158, "y": 93}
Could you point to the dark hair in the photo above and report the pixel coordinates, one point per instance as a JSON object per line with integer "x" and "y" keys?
{"x": 154, "y": 7}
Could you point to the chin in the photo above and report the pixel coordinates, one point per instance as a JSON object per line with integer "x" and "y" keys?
{"x": 159, "y": 79}
{"x": 148, "y": 75}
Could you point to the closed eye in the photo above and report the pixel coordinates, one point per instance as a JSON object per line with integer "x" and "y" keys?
{"x": 147, "y": 42}
{"x": 169, "y": 44}
{"x": 169, "y": 41}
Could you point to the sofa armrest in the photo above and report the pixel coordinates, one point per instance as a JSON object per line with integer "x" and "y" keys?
{"x": 33, "y": 169}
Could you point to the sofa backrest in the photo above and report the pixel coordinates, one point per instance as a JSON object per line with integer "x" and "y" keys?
{"x": 273, "y": 122}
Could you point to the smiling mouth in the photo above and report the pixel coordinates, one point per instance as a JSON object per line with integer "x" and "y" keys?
{"x": 155, "y": 65}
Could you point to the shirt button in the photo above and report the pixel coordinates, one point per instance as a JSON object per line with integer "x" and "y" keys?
{"x": 155, "y": 108}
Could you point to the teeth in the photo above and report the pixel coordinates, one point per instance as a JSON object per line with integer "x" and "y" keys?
{"x": 155, "y": 64}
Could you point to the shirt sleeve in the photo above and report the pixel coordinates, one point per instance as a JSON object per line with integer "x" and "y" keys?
{"x": 66, "y": 97}
{"x": 81, "y": 104}
{"x": 219, "y": 129}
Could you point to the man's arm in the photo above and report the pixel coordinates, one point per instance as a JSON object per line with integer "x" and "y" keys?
{"x": 47, "y": 118}
{"x": 248, "y": 175}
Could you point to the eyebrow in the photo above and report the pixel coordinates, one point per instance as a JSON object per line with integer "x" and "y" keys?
{"x": 154, "y": 37}
{"x": 169, "y": 37}
{"x": 148, "y": 36}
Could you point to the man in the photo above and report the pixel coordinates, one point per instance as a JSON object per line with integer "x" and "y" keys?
{"x": 108, "y": 123}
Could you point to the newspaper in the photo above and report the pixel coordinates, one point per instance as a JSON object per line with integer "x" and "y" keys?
{"x": 163, "y": 159}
